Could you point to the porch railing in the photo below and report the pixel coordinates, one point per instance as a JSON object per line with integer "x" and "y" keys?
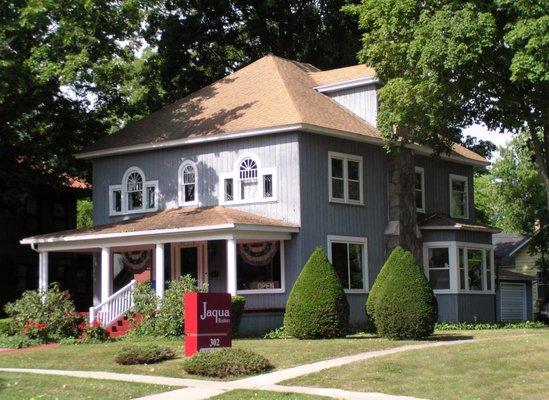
{"x": 114, "y": 307}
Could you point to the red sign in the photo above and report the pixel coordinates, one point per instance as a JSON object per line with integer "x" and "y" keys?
{"x": 207, "y": 321}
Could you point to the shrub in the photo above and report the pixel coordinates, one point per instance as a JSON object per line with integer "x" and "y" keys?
{"x": 317, "y": 306}
{"x": 18, "y": 341}
{"x": 374, "y": 294}
{"x": 277, "y": 333}
{"x": 53, "y": 308}
{"x": 406, "y": 306}
{"x": 142, "y": 317}
{"x": 169, "y": 321}
{"x": 5, "y": 327}
{"x": 36, "y": 330}
{"x": 237, "y": 309}
{"x": 474, "y": 326}
{"x": 226, "y": 362}
{"x": 93, "y": 332}
{"x": 150, "y": 354}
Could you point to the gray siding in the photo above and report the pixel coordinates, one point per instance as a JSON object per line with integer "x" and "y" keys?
{"x": 360, "y": 100}
{"x": 466, "y": 307}
{"x": 456, "y": 236}
{"x": 212, "y": 159}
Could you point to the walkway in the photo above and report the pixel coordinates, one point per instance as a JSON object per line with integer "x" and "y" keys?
{"x": 197, "y": 389}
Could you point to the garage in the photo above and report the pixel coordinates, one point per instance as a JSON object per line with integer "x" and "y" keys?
{"x": 513, "y": 301}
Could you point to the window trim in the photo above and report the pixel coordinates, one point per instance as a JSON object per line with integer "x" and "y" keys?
{"x": 455, "y": 282}
{"x": 353, "y": 240}
{"x": 235, "y": 176}
{"x": 282, "y": 288}
{"x": 449, "y": 269}
{"x": 346, "y": 158}
{"x": 123, "y": 187}
{"x": 180, "y": 184}
{"x": 462, "y": 178}
{"x": 421, "y": 171}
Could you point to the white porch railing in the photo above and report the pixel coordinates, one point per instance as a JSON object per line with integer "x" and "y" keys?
{"x": 115, "y": 306}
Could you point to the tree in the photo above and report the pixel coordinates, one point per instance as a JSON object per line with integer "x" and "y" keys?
{"x": 445, "y": 65}
{"x": 511, "y": 195}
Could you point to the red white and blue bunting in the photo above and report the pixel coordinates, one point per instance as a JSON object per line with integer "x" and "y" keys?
{"x": 257, "y": 253}
{"x": 136, "y": 261}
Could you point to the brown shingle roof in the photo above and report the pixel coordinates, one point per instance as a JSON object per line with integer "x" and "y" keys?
{"x": 440, "y": 221}
{"x": 178, "y": 218}
{"x": 271, "y": 92}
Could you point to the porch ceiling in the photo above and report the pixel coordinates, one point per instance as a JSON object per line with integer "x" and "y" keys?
{"x": 169, "y": 225}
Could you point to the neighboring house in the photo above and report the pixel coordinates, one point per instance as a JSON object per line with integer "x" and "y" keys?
{"x": 237, "y": 183}
{"x": 517, "y": 276}
{"x": 43, "y": 210}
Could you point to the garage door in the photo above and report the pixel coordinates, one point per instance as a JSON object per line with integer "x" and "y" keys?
{"x": 513, "y": 301}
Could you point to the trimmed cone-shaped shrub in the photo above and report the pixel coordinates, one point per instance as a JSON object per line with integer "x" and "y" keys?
{"x": 406, "y": 307}
{"x": 317, "y": 306}
{"x": 375, "y": 292}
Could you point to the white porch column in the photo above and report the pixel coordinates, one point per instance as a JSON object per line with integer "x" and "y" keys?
{"x": 159, "y": 269}
{"x": 231, "y": 266}
{"x": 43, "y": 271}
{"x": 106, "y": 275}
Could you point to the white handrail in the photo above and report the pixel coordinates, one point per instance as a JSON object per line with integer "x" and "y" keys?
{"x": 115, "y": 306}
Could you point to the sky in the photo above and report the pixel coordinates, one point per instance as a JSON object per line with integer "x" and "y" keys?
{"x": 481, "y": 132}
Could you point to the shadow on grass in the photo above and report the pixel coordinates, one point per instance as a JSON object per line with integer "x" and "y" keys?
{"x": 448, "y": 338}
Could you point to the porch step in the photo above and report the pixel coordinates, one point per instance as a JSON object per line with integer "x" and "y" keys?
{"x": 119, "y": 327}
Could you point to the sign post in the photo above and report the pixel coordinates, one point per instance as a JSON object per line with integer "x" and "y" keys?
{"x": 207, "y": 321}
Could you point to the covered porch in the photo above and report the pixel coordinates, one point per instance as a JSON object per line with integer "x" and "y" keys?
{"x": 226, "y": 249}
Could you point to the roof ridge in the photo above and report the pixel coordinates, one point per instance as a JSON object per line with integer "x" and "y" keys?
{"x": 283, "y": 78}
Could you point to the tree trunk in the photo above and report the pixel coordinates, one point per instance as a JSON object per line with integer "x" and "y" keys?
{"x": 402, "y": 229}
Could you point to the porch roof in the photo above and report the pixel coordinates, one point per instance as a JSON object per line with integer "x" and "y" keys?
{"x": 161, "y": 226}
{"x": 444, "y": 222}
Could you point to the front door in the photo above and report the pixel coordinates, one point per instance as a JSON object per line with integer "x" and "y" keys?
{"x": 191, "y": 259}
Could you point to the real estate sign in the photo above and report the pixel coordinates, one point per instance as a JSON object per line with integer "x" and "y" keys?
{"x": 207, "y": 321}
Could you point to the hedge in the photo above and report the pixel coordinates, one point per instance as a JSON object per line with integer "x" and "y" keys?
{"x": 406, "y": 307}
{"x": 317, "y": 306}
{"x": 150, "y": 354}
{"x": 226, "y": 362}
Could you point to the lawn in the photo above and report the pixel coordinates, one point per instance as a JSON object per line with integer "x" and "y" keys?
{"x": 511, "y": 366}
{"x": 263, "y": 395}
{"x": 29, "y": 386}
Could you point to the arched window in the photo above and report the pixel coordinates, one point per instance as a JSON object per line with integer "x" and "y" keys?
{"x": 134, "y": 195}
{"x": 188, "y": 184}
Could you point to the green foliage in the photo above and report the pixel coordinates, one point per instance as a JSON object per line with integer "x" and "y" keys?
{"x": 53, "y": 308}
{"x": 512, "y": 193}
{"x": 278, "y": 333}
{"x": 142, "y": 317}
{"x": 5, "y": 326}
{"x": 149, "y": 354}
{"x": 476, "y": 326}
{"x": 17, "y": 341}
{"x": 317, "y": 306}
{"x": 93, "y": 332}
{"x": 226, "y": 362}
{"x": 377, "y": 287}
{"x": 84, "y": 213}
{"x": 406, "y": 306}
{"x": 237, "y": 309}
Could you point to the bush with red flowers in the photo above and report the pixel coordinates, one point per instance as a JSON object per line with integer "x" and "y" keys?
{"x": 93, "y": 331}
{"x": 36, "y": 330}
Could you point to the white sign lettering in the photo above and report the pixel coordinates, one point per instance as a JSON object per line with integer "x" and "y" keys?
{"x": 221, "y": 316}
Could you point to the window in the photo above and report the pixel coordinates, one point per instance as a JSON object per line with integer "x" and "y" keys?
{"x": 249, "y": 183}
{"x": 345, "y": 174}
{"x": 459, "y": 197}
{"x": 476, "y": 272}
{"x": 260, "y": 267}
{"x": 420, "y": 189}
{"x": 348, "y": 256}
{"x": 134, "y": 195}
{"x": 188, "y": 184}
{"x": 439, "y": 267}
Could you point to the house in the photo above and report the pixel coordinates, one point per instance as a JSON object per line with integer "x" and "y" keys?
{"x": 518, "y": 292}
{"x": 237, "y": 183}
{"x": 42, "y": 209}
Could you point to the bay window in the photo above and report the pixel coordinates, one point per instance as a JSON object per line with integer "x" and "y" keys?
{"x": 345, "y": 178}
{"x": 348, "y": 257}
{"x": 260, "y": 267}
{"x": 439, "y": 267}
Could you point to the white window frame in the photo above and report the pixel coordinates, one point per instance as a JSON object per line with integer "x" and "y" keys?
{"x": 453, "y": 248}
{"x": 487, "y": 251}
{"x": 460, "y": 178}
{"x": 345, "y": 158}
{"x": 282, "y": 288}
{"x": 421, "y": 170}
{"x": 353, "y": 240}
{"x": 235, "y": 176}
{"x": 123, "y": 187}
{"x": 181, "y": 184}
{"x": 449, "y": 269}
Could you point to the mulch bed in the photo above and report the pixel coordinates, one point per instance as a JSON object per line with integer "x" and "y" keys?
{"x": 32, "y": 348}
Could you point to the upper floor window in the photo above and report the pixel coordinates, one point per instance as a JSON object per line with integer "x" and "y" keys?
{"x": 459, "y": 196}
{"x": 249, "y": 183}
{"x": 188, "y": 179}
{"x": 345, "y": 178}
{"x": 348, "y": 257}
{"x": 420, "y": 189}
{"x": 134, "y": 195}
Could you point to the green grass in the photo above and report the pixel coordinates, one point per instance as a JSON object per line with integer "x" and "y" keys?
{"x": 262, "y": 395}
{"x": 513, "y": 365}
{"x": 29, "y": 386}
